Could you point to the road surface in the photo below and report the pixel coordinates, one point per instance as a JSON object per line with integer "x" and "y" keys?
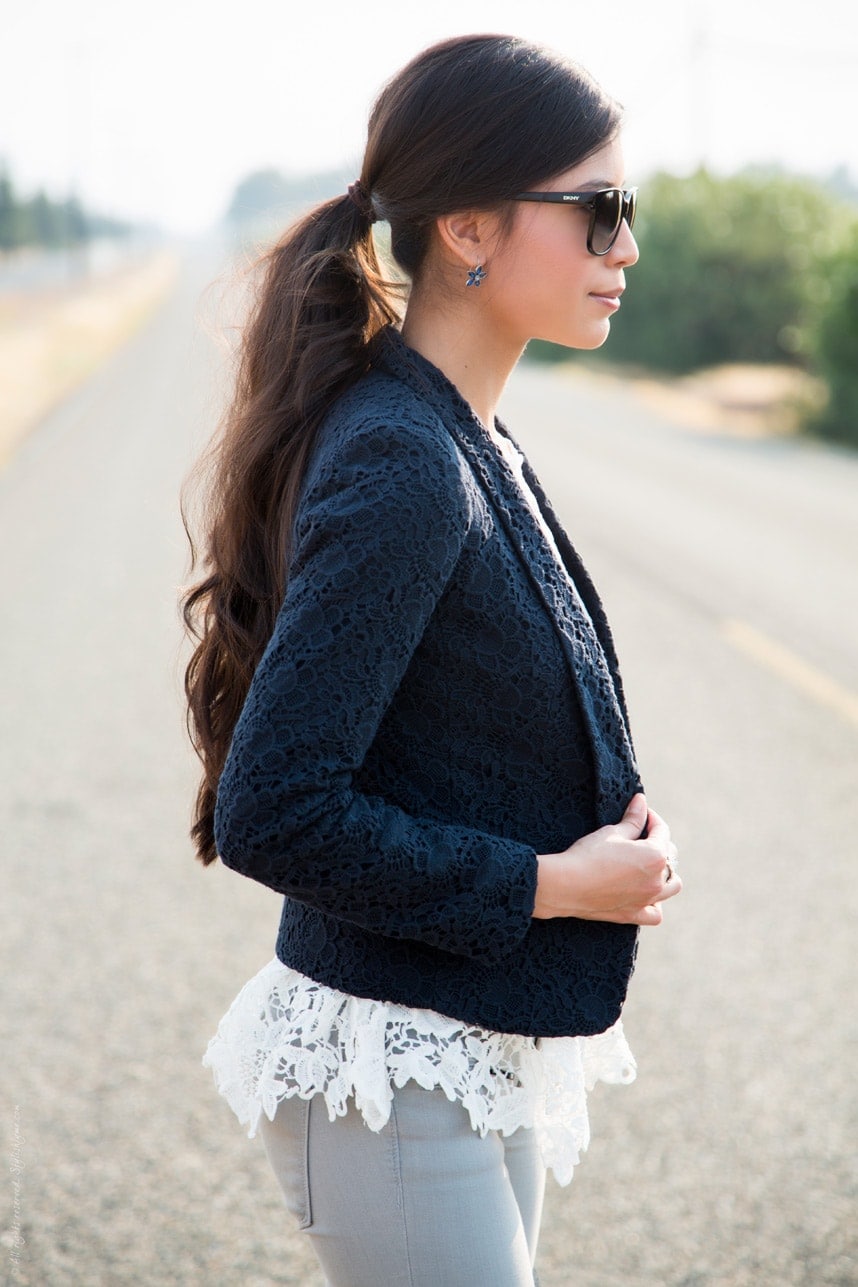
{"x": 729, "y": 571}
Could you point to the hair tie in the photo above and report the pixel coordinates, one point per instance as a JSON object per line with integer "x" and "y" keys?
{"x": 362, "y": 200}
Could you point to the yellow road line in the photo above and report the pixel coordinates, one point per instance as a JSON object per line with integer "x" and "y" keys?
{"x": 791, "y": 668}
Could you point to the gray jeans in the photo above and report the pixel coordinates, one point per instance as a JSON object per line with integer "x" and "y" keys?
{"x": 425, "y": 1202}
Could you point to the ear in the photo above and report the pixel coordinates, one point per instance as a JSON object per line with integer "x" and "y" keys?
{"x": 467, "y": 238}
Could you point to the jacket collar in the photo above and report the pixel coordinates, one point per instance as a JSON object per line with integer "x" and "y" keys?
{"x": 571, "y": 600}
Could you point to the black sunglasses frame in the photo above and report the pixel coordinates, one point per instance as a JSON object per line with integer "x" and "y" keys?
{"x": 596, "y": 203}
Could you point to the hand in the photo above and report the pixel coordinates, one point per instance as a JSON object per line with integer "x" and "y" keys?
{"x": 612, "y": 874}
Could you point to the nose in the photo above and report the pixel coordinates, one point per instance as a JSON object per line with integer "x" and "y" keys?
{"x": 624, "y": 251}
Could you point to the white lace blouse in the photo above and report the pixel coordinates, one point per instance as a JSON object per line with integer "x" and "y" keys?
{"x": 286, "y": 1035}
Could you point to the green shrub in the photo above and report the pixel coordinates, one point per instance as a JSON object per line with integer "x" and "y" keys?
{"x": 835, "y": 344}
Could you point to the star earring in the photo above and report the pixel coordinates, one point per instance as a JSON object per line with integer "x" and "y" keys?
{"x": 476, "y": 275}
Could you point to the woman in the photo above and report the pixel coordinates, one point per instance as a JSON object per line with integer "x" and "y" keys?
{"x": 405, "y": 693}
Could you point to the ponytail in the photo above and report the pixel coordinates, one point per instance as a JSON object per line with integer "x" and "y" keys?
{"x": 321, "y": 302}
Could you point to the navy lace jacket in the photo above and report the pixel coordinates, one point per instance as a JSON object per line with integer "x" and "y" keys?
{"x": 438, "y": 703}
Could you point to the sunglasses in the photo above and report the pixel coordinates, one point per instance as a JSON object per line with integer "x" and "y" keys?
{"x": 608, "y": 208}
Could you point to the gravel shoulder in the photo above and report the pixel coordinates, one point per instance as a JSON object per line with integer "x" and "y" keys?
{"x": 741, "y": 400}
{"x": 52, "y": 341}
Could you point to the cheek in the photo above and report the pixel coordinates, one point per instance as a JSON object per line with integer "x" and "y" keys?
{"x": 560, "y": 258}
{"x": 541, "y": 288}
{"x": 559, "y": 280}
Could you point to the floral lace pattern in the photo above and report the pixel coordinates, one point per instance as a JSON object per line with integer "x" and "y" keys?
{"x": 286, "y": 1035}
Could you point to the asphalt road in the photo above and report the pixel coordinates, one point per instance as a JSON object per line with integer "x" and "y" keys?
{"x": 729, "y": 572}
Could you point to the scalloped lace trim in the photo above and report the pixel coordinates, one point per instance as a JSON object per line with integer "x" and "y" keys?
{"x": 286, "y": 1035}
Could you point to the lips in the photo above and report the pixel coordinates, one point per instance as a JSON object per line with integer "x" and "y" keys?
{"x": 610, "y": 299}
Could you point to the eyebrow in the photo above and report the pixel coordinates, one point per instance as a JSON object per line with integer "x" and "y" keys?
{"x": 595, "y": 184}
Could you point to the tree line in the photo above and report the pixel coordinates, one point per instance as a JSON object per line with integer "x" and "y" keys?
{"x": 38, "y": 220}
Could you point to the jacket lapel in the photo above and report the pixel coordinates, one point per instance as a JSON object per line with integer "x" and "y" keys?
{"x": 583, "y": 583}
{"x": 570, "y": 600}
{"x": 575, "y": 610}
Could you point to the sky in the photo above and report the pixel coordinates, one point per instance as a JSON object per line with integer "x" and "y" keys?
{"x": 155, "y": 112}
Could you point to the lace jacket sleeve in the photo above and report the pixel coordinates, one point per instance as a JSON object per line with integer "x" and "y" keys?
{"x": 385, "y": 516}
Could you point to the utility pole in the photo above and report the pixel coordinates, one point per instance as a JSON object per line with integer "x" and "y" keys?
{"x": 698, "y": 82}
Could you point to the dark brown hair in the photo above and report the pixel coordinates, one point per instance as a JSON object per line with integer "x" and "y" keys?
{"x": 465, "y": 125}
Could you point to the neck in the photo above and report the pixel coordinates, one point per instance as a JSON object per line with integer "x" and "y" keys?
{"x": 472, "y": 356}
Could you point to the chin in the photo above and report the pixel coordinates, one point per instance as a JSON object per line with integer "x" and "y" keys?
{"x": 598, "y": 339}
{"x": 584, "y": 345}
{"x": 591, "y": 338}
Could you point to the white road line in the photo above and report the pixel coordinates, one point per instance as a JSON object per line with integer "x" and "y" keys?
{"x": 792, "y": 668}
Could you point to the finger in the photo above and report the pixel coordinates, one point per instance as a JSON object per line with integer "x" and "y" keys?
{"x": 669, "y": 890}
{"x": 669, "y": 863}
{"x": 649, "y": 915}
{"x": 634, "y": 819}
{"x": 658, "y": 837}
{"x": 657, "y": 829}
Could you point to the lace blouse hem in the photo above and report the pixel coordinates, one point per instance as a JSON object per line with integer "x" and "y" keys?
{"x": 286, "y": 1035}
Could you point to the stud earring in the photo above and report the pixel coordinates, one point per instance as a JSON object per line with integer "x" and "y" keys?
{"x": 476, "y": 275}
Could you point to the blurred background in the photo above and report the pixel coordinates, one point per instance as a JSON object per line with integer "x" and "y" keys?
{"x": 704, "y": 464}
{"x": 118, "y": 128}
